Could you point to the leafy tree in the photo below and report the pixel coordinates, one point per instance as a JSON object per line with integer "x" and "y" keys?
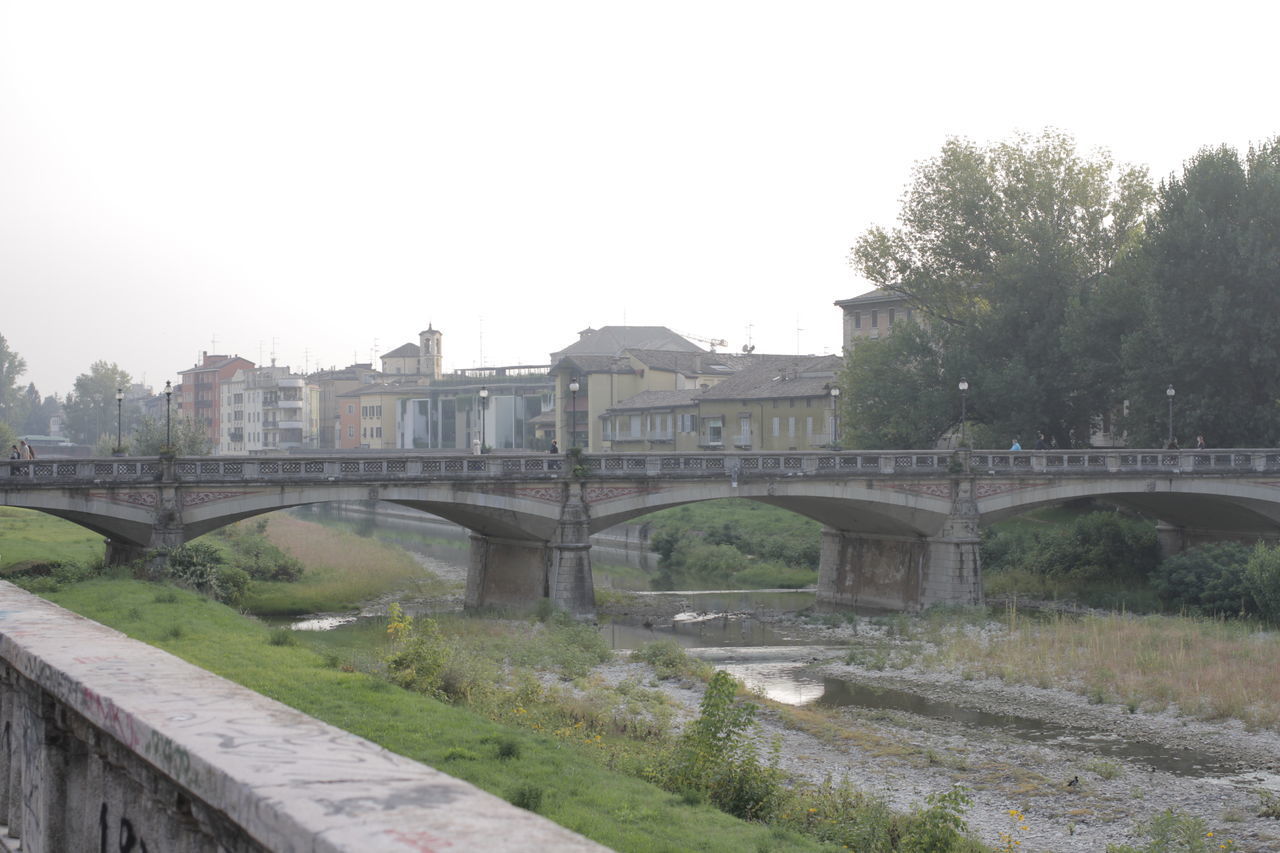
{"x": 1207, "y": 579}
{"x": 1211, "y": 304}
{"x": 1262, "y": 577}
{"x": 39, "y": 411}
{"x": 12, "y": 365}
{"x": 91, "y": 406}
{"x": 998, "y": 247}
{"x": 188, "y": 437}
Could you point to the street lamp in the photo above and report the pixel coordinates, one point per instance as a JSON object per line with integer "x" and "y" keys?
{"x": 964, "y": 394}
{"x": 119, "y": 416}
{"x": 573, "y": 412}
{"x": 1169, "y": 392}
{"x": 835, "y": 417}
{"x": 168, "y": 432}
{"x": 484, "y": 404}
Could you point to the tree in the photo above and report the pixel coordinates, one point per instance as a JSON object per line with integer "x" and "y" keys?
{"x": 12, "y": 365}
{"x": 91, "y": 406}
{"x": 1008, "y": 251}
{"x": 188, "y": 437}
{"x": 1211, "y": 304}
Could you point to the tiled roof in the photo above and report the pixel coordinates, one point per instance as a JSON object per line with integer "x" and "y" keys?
{"x": 612, "y": 340}
{"x": 658, "y": 399}
{"x": 874, "y": 297}
{"x": 403, "y": 351}
{"x": 779, "y": 376}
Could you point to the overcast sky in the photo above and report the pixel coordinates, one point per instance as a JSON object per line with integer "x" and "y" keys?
{"x": 321, "y": 181}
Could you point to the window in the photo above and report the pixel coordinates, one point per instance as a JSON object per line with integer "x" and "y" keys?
{"x": 351, "y": 408}
{"x": 777, "y": 427}
{"x": 351, "y": 432}
{"x": 791, "y": 427}
{"x": 891, "y": 316}
{"x": 875, "y": 318}
{"x": 857, "y": 319}
{"x": 808, "y": 425}
{"x": 714, "y": 430}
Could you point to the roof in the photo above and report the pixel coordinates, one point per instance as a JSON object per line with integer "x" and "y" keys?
{"x": 583, "y": 364}
{"x": 775, "y": 376}
{"x": 689, "y": 363}
{"x": 613, "y": 340}
{"x": 659, "y": 399}
{"x": 403, "y": 351}
{"x": 876, "y": 297}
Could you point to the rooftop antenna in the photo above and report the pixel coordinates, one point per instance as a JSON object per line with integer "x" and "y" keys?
{"x": 481, "y": 364}
{"x": 213, "y": 343}
{"x": 798, "y": 331}
{"x": 274, "y": 343}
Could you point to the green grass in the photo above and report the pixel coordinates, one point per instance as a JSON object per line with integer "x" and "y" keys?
{"x": 568, "y": 785}
{"x": 343, "y": 571}
{"x": 27, "y": 535}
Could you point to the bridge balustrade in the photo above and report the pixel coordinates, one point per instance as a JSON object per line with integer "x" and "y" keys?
{"x": 667, "y": 465}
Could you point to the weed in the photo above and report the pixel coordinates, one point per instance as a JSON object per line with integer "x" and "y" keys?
{"x": 457, "y": 753}
{"x": 528, "y": 797}
{"x": 508, "y": 748}
{"x": 282, "y": 637}
{"x": 175, "y": 632}
{"x": 134, "y": 614}
{"x": 1104, "y": 768}
{"x": 166, "y": 596}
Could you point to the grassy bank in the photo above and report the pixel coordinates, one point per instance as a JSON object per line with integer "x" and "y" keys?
{"x": 558, "y": 773}
{"x": 29, "y": 536}
{"x": 342, "y": 570}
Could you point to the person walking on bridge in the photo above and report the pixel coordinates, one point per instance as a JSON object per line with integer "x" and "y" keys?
{"x": 1017, "y": 444}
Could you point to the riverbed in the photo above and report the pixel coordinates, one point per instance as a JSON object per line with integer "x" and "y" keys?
{"x": 1083, "y": 775}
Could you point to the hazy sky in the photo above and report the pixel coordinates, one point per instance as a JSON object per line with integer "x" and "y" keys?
{"x": 323, "y": 180}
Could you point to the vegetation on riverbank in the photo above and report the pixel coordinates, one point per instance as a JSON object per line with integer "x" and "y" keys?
{"x": 559, "y": 774}
{"x": 734, "y": 544}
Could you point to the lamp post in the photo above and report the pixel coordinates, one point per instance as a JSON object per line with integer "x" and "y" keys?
{"x": 964, "y": 395}
{"x": 573, "y": 412}
{"x": 168, "y": 432}
{"x": 119, "y": 416}
{"x": 835, "y": 417}
{"x": 1169, "y": 392}
{"x": 484, "y": 404}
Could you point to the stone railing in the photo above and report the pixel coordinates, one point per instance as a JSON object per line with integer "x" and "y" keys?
{"x": 111, "y": 744}
{"x": 391, "y": 467}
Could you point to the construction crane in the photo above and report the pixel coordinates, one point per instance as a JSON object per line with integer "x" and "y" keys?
{"x": 710, "y": 342}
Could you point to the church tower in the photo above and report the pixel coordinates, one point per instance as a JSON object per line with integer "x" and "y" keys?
{"x": 430, "y": 357}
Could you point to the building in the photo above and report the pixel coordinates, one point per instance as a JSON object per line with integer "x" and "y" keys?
{"x": 198, "y": 394}
{"x": 331, "y": 405}
{"x": 618, "y": 363}
{"x": 770, "y": 402}
{"x": 424, "y": 360}
{"x": 268, "y": 409}
{"x": 873, "y": 315}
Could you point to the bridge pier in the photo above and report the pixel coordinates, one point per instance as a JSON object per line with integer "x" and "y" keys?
{"x": 905, "y": 572}
{"x": 516, "y": 573}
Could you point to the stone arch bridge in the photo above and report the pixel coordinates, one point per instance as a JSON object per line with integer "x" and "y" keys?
{"x": 900, "y": 528}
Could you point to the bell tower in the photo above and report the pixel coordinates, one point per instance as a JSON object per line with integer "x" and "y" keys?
{"x": 430, "y": 356}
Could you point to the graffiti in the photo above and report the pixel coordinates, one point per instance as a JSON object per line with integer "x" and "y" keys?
{"x": 422, "y": 841}
{"x": 126, "y": 839}
{"x": 110, "y": 718}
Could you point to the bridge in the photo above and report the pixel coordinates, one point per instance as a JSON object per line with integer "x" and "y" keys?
{"x": 900, "y": 528}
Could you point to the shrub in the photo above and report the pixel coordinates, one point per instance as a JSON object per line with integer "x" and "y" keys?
{"x": 717, "y": 755}
{"x": 1207, "y": 579}
{"x": 1262, "y": 578}
{"x": 1099, "y": 546}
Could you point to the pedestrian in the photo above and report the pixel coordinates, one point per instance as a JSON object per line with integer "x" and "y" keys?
{"x": 14, "y": 452}
{"x": 1040, "y": 443}
{"x": 555, "y": 448}
{"x": 1172, "y": 445}
{"x": 1200, "y": 445}
{"x": 1017, "y": 444}
{"x": 28, "y": 452}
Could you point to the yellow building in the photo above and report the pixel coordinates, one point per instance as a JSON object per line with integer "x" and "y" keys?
{"x": 770, "y": 403}
{"x": 617, "y": 363}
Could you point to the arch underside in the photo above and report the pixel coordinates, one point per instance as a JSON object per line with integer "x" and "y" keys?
{"x": 1254, "y": 511}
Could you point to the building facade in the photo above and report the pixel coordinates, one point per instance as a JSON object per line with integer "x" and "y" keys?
{"x": 199, "y": 392}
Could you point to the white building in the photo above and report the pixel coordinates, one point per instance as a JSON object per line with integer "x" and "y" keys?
{"x": 266, "y": 409}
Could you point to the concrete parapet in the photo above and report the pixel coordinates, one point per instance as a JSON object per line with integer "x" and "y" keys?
{"x": 112, "y": 744}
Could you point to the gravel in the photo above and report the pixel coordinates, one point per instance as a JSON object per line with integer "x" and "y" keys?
{"x": 1074, "y": 793}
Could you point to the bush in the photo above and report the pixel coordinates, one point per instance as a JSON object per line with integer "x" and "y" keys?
{"x": 1099, "y": 546}
{"x": 1262, "y": 578}
{"x": 1208, "y": 579}
{"x": 717, "y": 756}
